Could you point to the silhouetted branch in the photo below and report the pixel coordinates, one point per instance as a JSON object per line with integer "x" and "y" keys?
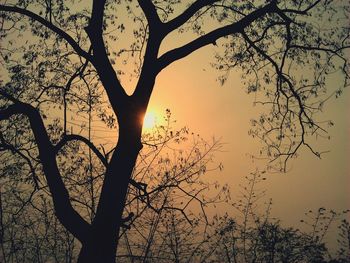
{"x": 5, "y": 146}
{"x": 303, "y": 12}
{"x": 116, "y": 93}
{"x": 50, "y": 26}
{"x": 150, "y": 12}
{"x": 211, "y": 37}
{"x": 75, "y": 137}
{"x": 64, "y": 210}
{"x": 187, "y": 14}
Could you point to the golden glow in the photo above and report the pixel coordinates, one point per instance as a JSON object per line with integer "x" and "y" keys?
{"x": 150, "y": 120}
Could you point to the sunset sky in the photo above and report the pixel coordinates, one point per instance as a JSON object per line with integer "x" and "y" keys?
{"x": 189, "y": 88}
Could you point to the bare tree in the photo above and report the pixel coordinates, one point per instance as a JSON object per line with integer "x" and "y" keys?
{"x": 73, "y": 55}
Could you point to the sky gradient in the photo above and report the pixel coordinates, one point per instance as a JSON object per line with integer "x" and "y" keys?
{"x": 189, "y": 88}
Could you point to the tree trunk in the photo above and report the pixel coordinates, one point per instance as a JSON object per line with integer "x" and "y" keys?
{"x": 102, "y": 242}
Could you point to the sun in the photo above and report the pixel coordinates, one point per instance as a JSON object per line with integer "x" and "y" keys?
{"x": 150, "y": 120}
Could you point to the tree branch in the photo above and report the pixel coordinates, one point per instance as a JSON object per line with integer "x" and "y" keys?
{"x": 63, "y": 208}
{"x": 76, "y": 137}
{"x": 187, "y": 14}
{"x": 6, "y": 146}
{"x": 150, "y": 12}
{"x": 115, "y": 92}
{"x": 302, "y": 12}
{"x": 149, "y": 70}
{"x": 212, "y": 36}
{"x": 50, "y": 26}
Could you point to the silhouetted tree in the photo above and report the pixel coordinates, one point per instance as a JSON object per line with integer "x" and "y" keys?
{"x": 64, "y": 58}
{"x": 255, "y": 235}
{"x": 166, "y": 180}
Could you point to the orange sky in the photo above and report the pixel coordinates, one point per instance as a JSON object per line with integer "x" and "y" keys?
{"x": 189, "y": 89}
